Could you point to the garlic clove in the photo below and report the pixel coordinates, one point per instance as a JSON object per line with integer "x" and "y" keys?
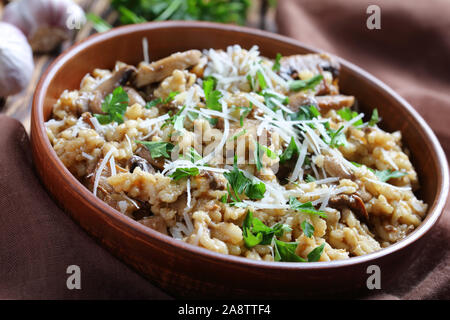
{"x": 46, "y": 23}
{"x": 16, "y": 60}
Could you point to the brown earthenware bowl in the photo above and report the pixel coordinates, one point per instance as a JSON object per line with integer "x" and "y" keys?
{"x": 189, "y": 271}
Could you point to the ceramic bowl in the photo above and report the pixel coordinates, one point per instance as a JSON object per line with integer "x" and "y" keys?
{"x": 188, "y": 271}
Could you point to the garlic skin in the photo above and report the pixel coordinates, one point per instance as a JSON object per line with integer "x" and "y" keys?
{"x": 16, "y": 60}
{"x": 46, "y": 23}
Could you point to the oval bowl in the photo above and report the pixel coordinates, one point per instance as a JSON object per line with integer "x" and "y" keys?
{"x": 188, "y": 271}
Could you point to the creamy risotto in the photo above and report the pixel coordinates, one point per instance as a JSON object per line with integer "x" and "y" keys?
{"x": 240, "y": 154}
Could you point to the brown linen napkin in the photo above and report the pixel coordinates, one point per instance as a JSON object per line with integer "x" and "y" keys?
{"x": 38, "y": 241}
{"x": 411, "y": 54}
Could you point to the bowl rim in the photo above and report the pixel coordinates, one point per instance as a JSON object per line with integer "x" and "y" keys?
{"x": 149, "y": 234}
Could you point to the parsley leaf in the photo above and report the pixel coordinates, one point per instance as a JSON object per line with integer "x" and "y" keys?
{"x": 180, "y": 173}
{"x": 338, "y": 138}
{"x": 290, "y": 151}
{"x": 241, "y": 184}
{"x": 256, "y": 232}
{"x": 310, "y": 178}
{"x": 114, "y": 105}
{"x": 193, "y": 156}
{"x": 257, "y": 155}
{"x": 315, "y": 254}
{"x": 285, "y": 251}
{"x": 347, "y": 114}
{"x": 304, "y": 113}
{"x": 374, "y": 119}
{"x": 276, "y": 64}
{"x": 157, "y": 101}
{"x": 308, "y": 228}
{"x": 212, "y": 96}
{"x": 386, "y": 175}
{"x": 261, "y": 80}
{"x": 305, "y": 207}
{"x": 157, "y": 148}
{"x": 311, "y": 83}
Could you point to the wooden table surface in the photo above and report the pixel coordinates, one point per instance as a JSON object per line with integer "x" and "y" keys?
{"x": 19, "y": 105}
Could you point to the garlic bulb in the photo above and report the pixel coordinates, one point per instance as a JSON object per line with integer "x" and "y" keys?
{"x": 16, "y": 60}
{"x": 46, "y": 23}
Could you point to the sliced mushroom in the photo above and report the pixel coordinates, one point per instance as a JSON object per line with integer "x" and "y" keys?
{"x": 136, "y": 161}
{"x": 143, "y": 211}
{"x": 309, "y": 62}
{"x": 155, "y": 222}
{"x": 300, "y": 99}
{"x": 353, "y": 202}
{"x": 161, "y": 69}
{"x": 134, "y": 97}
{"x": 334, "y": 166}
{"x": 144, "y": 153}
{"x": 335, "y": 102}
{"x": 118, "y": 78}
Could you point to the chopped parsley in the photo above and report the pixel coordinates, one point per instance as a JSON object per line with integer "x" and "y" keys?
{"x": 257, "y": 154}
{"x": 304, "y": 113}
{"x": 337, "y": 137}
{"x": 212, "y": 96}
{"x": 386, "y": 175}
{"x": 114, "y": 106}
{"x": 290, "y": 151}
{"x": 256, "y": 232}
{"x": 315, "y": 254}
{"x": 241, "y": 184}
{"x": 269, "y": 97}
{"x": 374, "y": 119}
{"x": 180, "y": 173}
{"x": 285, "y": 251}
{"x": 276, "y": 65}
{"x": 157, "y": 101}
{"x": 158, "y": 148}
{"x": 347, "y": 114}
{"x": 310, "y": 178}
{"x": 308, "y": 228}
{"x": 305, "y": 207}
{"x": 261, "y": 80}
{"x": 311, "y": 83}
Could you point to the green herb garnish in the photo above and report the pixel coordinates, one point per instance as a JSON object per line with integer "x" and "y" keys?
{"x": 256, "y": 232}
{"x": 386, "y": 175}
{"x": 276, "y": 65}
{"x": 157, "y": 148}
{"x": 290, "y": 151}
{"x": 347, "y": 114}
{"x": 114, "y": 106}
{"x": 212, "y": 96}
{"x": 337, "y": 137}
{"x": 305, "y": 207}
{"x": 180, "y": 173}
{"x": 308, "y": 228}
{"x": 311, "y": 83}
{"x": 374, "y": 119}
{"x": 315, "y": 254}
{"x": 241, "y": 184}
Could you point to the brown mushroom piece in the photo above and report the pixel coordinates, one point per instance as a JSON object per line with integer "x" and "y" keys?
{"x": 156, "y": 223}
{"x": 353, "y": 202}
{"x": 145, "y": 154}
{"x": 161, "y": 69}
{"x": 118, "y": 78}
{"x": 144, "y": 165}
{"x": 314, "y": 63}
{"x": 334, "y": 167}
{"x": 134, "y": 97}
{"x": 335, "y": 102}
